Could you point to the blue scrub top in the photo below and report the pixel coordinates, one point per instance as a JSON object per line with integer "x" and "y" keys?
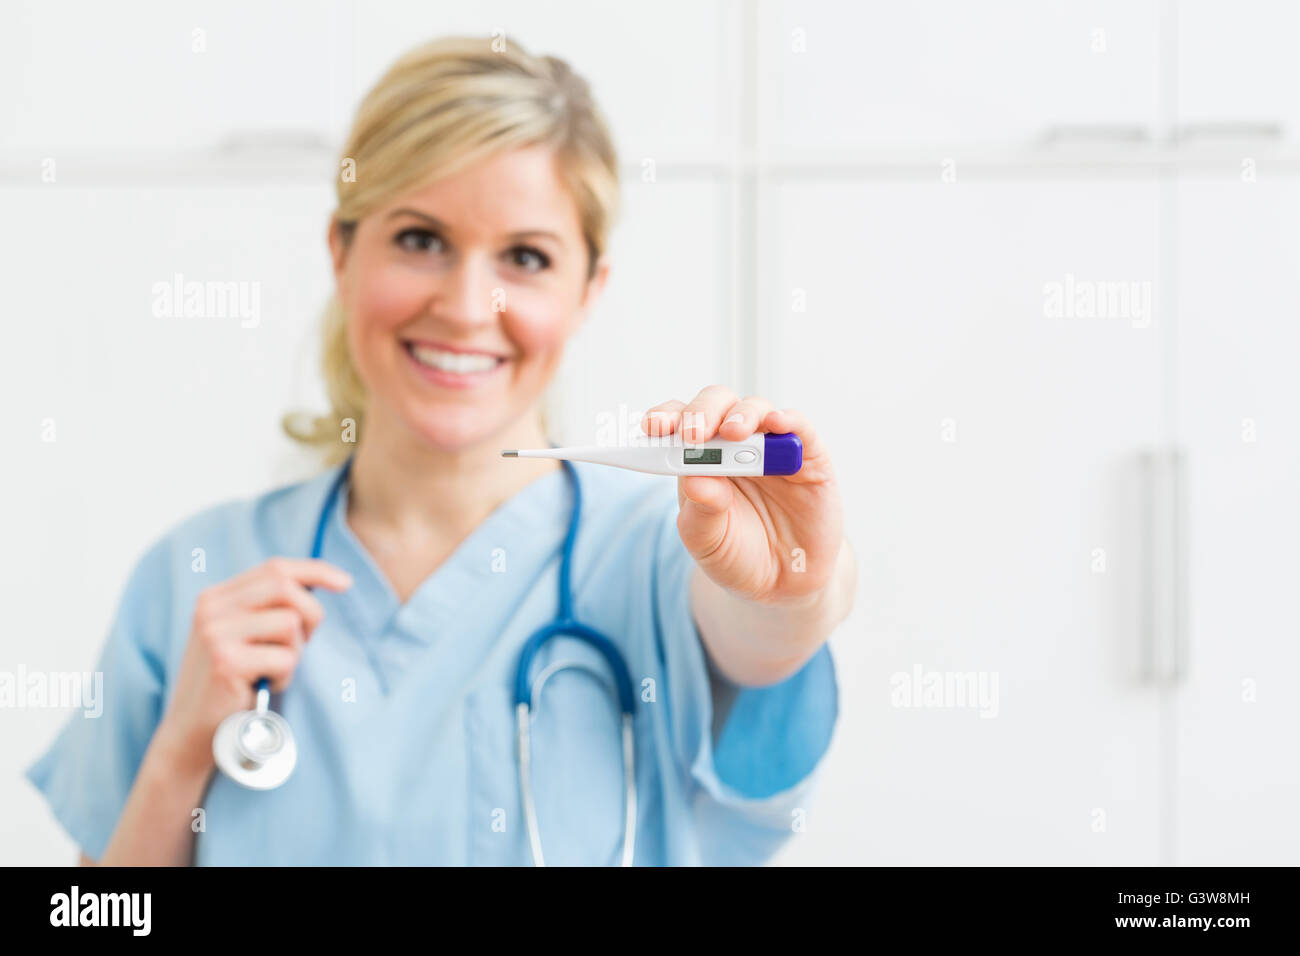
{"x": 403, "y": 713}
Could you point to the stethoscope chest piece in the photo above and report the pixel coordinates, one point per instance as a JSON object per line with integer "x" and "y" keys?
{"x": 255, "y": 748}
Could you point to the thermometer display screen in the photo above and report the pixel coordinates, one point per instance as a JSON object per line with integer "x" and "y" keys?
{"x": 701, "y": 456}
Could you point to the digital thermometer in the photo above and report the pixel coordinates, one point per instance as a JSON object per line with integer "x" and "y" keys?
{"x": 757, "y": 455}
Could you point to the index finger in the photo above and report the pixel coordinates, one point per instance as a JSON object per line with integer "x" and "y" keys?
{"x": 310, "y": 572}
{"x": 792, "y": 420}
{"x": 703, "y": 414}
{"x": 273, "y": 590}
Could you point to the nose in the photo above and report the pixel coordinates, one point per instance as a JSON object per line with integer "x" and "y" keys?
{"x": 466, "y": 293}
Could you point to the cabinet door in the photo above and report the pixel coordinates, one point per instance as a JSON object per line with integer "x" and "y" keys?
{"x": 985, "y": 420}
{"x": 1238, "y": 341}
{"x": 1238, "y": 75}
{"x": 840, "y": 75}
{"x": 662, "y": 76}
{"x": 167, "y": 75}
{"x": 190, "y": 75}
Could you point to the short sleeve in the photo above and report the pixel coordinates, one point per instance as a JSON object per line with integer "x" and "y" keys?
{"x": 754, "y": 781}
{"x": 87, "y": 772}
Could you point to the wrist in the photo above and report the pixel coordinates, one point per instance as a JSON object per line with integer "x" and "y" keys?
{"x": 180, "y": 755}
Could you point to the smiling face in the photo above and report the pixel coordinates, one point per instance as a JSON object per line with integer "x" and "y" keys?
{"x": 461, "y": 295}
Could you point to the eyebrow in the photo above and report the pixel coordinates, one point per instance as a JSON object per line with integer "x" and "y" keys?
{"x": 443, "y": 226}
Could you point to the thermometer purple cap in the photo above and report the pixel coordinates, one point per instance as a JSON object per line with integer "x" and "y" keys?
{"x": 782, "y": 454}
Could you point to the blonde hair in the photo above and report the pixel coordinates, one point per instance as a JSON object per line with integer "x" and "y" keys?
{"x": 440, "y": 108}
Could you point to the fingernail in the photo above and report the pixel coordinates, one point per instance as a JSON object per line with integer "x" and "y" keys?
{"x": 735, "y": 417}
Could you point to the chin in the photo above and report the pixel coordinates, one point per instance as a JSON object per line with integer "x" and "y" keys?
{"x": 453, "y": 428}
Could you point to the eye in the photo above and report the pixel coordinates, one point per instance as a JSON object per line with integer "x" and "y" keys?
{"x": 529, "y": 258}
{"x": 417, "y": 239}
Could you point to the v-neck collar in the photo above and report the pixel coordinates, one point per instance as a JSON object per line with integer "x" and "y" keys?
{"x": 534, "y": 517}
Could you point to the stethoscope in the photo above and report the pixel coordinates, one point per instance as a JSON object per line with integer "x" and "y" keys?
{"x": 256, "y": 748}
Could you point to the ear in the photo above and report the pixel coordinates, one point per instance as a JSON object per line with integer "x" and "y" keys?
{"x": 593, "y": 291}
{"x": 338, "y": 248}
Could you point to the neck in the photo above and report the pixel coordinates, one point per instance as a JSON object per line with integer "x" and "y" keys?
{"x": 400, "y": 482}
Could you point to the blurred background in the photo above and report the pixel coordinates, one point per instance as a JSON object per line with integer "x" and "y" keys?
{"x": 1030, "y": 265}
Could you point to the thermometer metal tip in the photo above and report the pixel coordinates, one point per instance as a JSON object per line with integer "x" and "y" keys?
{"x": 509, "y": 452}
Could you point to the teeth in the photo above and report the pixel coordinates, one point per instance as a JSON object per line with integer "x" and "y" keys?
{"x": 456, "y": 362}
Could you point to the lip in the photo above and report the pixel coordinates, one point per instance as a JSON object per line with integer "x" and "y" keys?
{"x": 448, "y": 347}
{"x": 454, "y": 380}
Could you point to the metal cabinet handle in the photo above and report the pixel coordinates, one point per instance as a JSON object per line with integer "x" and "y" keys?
{"x": 1164, "y": 605}
{"x": 1232, "y": 130}
{"x": 254, "y": 141}
{"x": 1096, "y": 133}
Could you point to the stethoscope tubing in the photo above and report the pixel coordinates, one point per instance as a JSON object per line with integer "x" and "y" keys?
{"x": 528, "y": 694}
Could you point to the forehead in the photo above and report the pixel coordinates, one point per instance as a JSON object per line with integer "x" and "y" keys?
{"x": 506, "y": 192}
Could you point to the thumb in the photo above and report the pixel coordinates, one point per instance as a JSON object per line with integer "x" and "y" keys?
{"x": 705, "y": 503}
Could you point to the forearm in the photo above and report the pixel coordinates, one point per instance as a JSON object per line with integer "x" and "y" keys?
{"x": 755, "y": 645}
{"x": 156, "y": 826}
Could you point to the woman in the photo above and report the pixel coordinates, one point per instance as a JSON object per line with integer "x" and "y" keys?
{"x": 476, "y": 193}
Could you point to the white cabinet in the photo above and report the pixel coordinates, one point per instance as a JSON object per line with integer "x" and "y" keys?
{"x": 661, "y": 74}
{"x": 120, "y": 376}
{"x": 167, "y": 75}
{"x": 844, "y": 76}
{"x": 894, "y": 305}
{"x": 1235, "y": 784}
{"x": 1237, "y": 71}
{"x": 1237, "y": 712}
{"x": 985, "y": 441}
{"x": 189, "y": 76}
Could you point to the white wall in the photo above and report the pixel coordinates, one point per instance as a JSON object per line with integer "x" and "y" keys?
{"x": 858, "y": 207}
